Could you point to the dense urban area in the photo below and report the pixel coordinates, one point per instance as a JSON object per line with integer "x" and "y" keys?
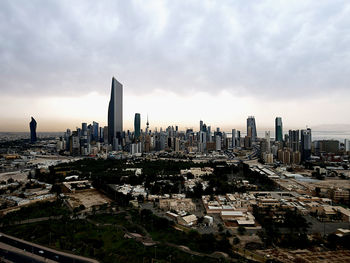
{"x": 168, "y": 196}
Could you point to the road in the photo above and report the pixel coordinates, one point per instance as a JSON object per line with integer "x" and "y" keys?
{"x": 42, "y": 251}
{"x": 16, "y": 257}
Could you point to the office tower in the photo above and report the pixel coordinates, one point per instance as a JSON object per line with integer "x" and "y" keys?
{"x": 74, "y": 144}
{"x": 251, "y": 125}
{"x": 162, "y": 141}
{"x": 278, "y": 129}
{"x": 224, "y": 141}
{"x": 200, "y": 126}
{"x": 90, "y": 133}
{"x": 217, "y": 143}
{"x": 115, "y": 115}
{"x": 327, "y": 146}
{"x": 202, "y": 141}
{"x": 306, "y": 141}
{"x": 137, "y": 125}
{"x": 247, "y": 142}
{"x": 84, "y": 139}
{"x": 347, "y": 145}
{"x": 32, "y": 126}
{"x": 67, "y": 135}
{"x": 294, "y": 140}
{"x": 95, "y": 131}
{"x": 234, "y": 142}
{"x": 100, "y": 134}
{"x": 177, "y": 144}
{"x": 238, "y": 144}
{"x": 105, "y": 134}
{"x": 268, "y": 142}
{"x": 209, "y": 139}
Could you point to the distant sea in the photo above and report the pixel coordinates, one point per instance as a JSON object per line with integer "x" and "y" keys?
{"x": 316, "y": 135}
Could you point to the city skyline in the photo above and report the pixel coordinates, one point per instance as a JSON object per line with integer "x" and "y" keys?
{"x": 57, "y": 66}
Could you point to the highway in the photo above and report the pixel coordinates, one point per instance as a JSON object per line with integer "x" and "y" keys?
{"x": 40, "y": 251}
{"x": 16, "y": 257}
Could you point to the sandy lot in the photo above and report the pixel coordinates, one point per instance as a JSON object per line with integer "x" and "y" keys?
{"x": 87, "y": 198}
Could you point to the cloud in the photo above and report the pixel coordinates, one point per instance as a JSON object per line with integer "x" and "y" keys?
{"x": 286, "y": 49}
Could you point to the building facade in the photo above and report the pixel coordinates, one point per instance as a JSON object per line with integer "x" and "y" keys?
{"x": 115, "y": 115}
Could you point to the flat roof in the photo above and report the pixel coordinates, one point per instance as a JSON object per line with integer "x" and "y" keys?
{"x": 231, "y": 213}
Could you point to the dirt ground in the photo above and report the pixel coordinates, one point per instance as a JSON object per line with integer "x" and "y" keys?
{"x": 87, "y": 198}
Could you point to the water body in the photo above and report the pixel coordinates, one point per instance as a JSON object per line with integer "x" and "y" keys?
{"x": 316, "y": 135}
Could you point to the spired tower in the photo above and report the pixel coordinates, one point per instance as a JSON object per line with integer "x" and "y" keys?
{"x": 147, "y": 125}
{"x": 115, "y": 115}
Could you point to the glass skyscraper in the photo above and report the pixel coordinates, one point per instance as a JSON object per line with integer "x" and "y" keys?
{"x": 115, "y": 114}
{"x": 278, "y": 129}
{"x": 95, "y": 134}
{"x": 137, "y": 125}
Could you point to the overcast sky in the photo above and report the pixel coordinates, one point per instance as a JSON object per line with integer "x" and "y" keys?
{"x": 179, "y": 61}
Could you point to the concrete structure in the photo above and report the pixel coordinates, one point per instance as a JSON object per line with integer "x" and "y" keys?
{"x": 188, "y": 220}
{"x": 306, "y": 141}
{"x": 251, "y": 125}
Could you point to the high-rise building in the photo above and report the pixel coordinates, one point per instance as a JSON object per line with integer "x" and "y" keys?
{"x": 137, "y": 125}
{"x": 95, "y": 131}
{"x": 251, "y": 125}
{"x": 306, "y": 141}
{"x": 218, "y": 143}
{"x": 347, "y": 145}
{"x": 278, "y": 129}
{"x": 202, "y": 141}
{"x": 209, "y": 134}
{"x": 115, "y": 115}
{"x": 105, "y": 134}
{"x": 200, "y": 126}
{"x": 293, "y": 140}
{"x": 84, "y": 139}
{"x": 268, "y": 143}
{"x": 67, "y": 135}
{"x": 234, "y": 141}
{"x": 32, "y": 126}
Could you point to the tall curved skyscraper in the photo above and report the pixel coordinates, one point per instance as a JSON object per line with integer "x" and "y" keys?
{"x": 115, "y": 114}
{"x": 137, "y": 125}
{"x": 32, "y": 126}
